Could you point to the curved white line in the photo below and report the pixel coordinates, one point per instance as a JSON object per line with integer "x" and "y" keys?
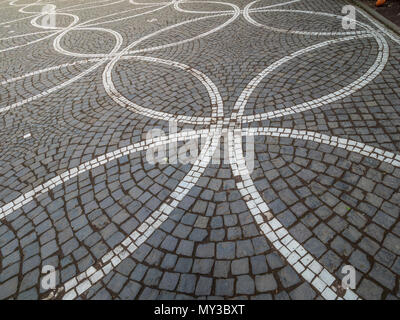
{"x": 50, "y": 184}
{"x": 123, "y": 101}
{"x": 111, "y": 15}
{"x": 118, "y": 43}
{"x": 215, "y": 99}
{"x": 246, "y": 15}
{"x": 53, "y": 89}
{"x": 58, "y": 48}
{"x": 273, "y": 5}
{"x": 86, "y": 8}
{"x": 113, "y": 258}
{"x": 235, "y": 16}
{"x": 372, "y": 73}
{"x": 334, "y": 141}
{"x": 25, "y": 35}
{"x": 28, "y": 43}
{"x": 34, "y": 73}
{"x": 179, "y": 9}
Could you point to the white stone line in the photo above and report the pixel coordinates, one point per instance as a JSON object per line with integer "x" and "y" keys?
{"x": 58, "y": 48}
{"x": 147, "y": 3}
{"x": 216, "y": 100}
{"x": 57, "y": 67}
{"x": 161, "y": 47}
{"x": 86, "y": 279}
{"x": 371, "y": 74}
{"x": 94, "y": 7}
{"x": 13, "y": 3}
{"x": 52, "y": 89}
{"x": 66, "y": 30}
{"x": 303, "y": 262}
{"x": 272, "y": 5}
{"x": 130, "y": 244}
{"x": 118, "y": 37}
{"x": 110, "y": 260}
{"x": 50, "y": 184}
{"x": 123, "y": 101}
{"x": 246, "y": 15}
{"x": 82, "y": 4}
{"x": 294, "y": 253}
{"x": 35, "y": 24}
{"x": 179, "y": 9}
{"x": 25, "y": 35}
{"x": 36, "y": 3}
{"x": 176, "y": 6}
{"x": 309, "y": 268}
{"x": 343, "y": 143}
{"x": 16, "y": 20}
{"x": 22, "y": 11}
{"x": 88, "y": 24}
{"x": 393, "y": 36}
{"x": 242, "y": 101}
{"x": 28, "y": 43}
{"x": 75, "y": 20}
{"x": 37, "y": 72}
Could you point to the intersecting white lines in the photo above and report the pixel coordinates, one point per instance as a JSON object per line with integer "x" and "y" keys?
{"x": 110, "y": 260}
{"x": 252, "y": 21}
{"x": 91, "y": 164}
{"x": 343, "y": 143}
{"x": 302, "y": 261}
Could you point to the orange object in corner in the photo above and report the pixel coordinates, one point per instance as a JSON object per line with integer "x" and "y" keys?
{"x": 380, "y": 3}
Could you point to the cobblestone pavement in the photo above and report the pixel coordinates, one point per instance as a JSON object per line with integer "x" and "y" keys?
{"x": 321, "y": 103}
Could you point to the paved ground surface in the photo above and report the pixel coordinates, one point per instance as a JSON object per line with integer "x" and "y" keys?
{"x": 390, "y": 10}
{"x": 76, "y": 190}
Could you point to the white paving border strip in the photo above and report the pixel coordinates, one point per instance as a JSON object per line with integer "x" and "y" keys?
{"x": 58, "y": 48}
{"x": 257, "y": 24}
{"x": 110, "y": 260}
{"x": 235, "y": 14}
{"x": 37, "y": 72}
{"x": 50, "y": 184}
{"x": 393, "y": 36}
{"x": 116, "y": 56}
{"x": 343, "y": 143}
{"x": 303, "y": 262}
{"x": 371, "y": 74}
{"x": 211, "y": 88}
{"x": 294, "y": 253}
{"x": 25, "y": 35}
{"x": 179, "y": 9}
